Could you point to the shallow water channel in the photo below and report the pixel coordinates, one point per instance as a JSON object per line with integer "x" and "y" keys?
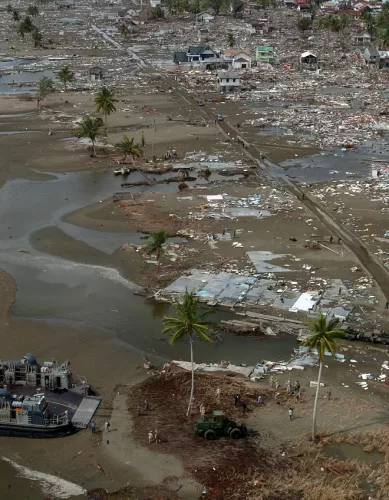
{"x": 53, "y": 288}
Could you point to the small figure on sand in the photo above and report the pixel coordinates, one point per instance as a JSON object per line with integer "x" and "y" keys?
{"x": 291, "y": 414}
{"x": 236, "y": 399}
{"x": 93, "y": 427}
{"x": 151, "y": 437}
{"x": 218, "y": 392}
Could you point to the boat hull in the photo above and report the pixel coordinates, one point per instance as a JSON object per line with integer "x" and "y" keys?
{"x": 36, "y": 431}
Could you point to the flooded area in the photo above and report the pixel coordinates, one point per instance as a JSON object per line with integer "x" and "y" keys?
{"x": 22, "y": 82}
{"x": 347, "y": 451}
{"x": 55, "y": 288}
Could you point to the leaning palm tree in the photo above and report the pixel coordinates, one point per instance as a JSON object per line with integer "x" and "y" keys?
{"x": 65, "y": 76}
{"x": 159, "y": 238}
{"x": 22, "y": 30}
{"x": 129, "y": 147}
{"x": 28, "y": 24}
{"x": 322, "y": 339}
{"x": 105, "y": 102}
{"x": 91, "y": 128}
{"x": 189, "y": 321}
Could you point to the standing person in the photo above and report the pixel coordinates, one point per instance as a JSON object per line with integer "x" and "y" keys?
{"x": 244, "y": 407}
{"x": 236, "y": 399}
{"x": 290, "y": 414}
{"x": 331, "y": 239}
{"x": 271, "y": 381}
{"x": 147, "y": 406}
{"x": 218, "y": 392}
{"x": 93, "y": 427}
{"x": 259, "y": 400}
{"x": 288, "y": 385}
{"x": 202, "y": 410}
{"x": 329, "y": 394}
{"x": 340, "y": 290}
{"x": 150, "y": 435}
{"x": 277, "y": 384}
{"x": 276, "y": 396}
{"x": 106, "y": 426}
{"x": 156, "y": 437}
{"x": 339, "y": 240}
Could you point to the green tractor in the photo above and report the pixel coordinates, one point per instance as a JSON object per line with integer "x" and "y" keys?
{"x": 218, "y": 425}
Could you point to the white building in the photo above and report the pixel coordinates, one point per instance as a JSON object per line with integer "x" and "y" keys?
{"x": 204, "y": 17}
{"x": 228, "y": 81}
{"x": 237, "y": 58}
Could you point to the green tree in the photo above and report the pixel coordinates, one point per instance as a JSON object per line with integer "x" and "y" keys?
{"x": 28, "y": 24}
{"x": 322, "y": 338}
{"x": 190, "y": 321}
{"x": 383, "y": 36}
{"x": 37, "y": 38}
{"x": 304, "y": 24}
{"x": 89, "y": 127}
{"x": 105, "y": 102}
{"x": 22, "y": 30}
{"x": 157, "y": 13}
{"x": 237, "y": 7}
{"x": 230, "y": 40}
{"x": 159, "y": 238}
{"x": 32, "y": 10}
{"x": 16, "y": 15}
{"x": 65, "y": 76}
{"x": 129, "y": 147}
{"x": 194, "y": 7}
{"x": 216, "y": 5}
{"x": 9, "y": 8}
{"x": 44, "y": 88}
{"x": 124, "y": 31}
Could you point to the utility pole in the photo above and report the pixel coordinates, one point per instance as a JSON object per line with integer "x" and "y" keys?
{"x": 152, "y": 146}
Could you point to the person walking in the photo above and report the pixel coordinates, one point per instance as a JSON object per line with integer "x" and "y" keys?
{"x": 218, "y": 392}
{"x": 93, "y": 427}
{"x": 236, "y": 399}
{"x": 147, "y": 406}
{"x": 271, "y": 381}
{"x": 277, "y": 384}
{"x": 202, "y": 411}
{"x": 259, "y": 401}
{"x": 106, "y": 426}
{"x": 339, "y": 240}
{"x": 151, "y": 437}
{"x": 156, "y": 437}
{"x": 276, "y": 396}
{"x": 331, "y": 239}
{"x": 288, "y": 385}
{"x": 290, "y": 414}
{"x": 329, "y": 394}
{"x": 244, "y": 407}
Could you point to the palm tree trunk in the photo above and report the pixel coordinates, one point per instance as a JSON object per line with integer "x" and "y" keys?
{"x": 316, "y": 400}
{"x": 192, "y": 364}
{"x": 158, "y": 259}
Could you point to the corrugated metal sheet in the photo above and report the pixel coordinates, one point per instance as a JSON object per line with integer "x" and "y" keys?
{"x": 85, "y": 412}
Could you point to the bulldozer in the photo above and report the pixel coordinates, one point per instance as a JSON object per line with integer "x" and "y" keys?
{"x": 218, "y": 425}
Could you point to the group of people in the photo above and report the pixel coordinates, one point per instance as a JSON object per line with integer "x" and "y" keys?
{"x": 154, "y": 437}
{"x": 107, "y": 426}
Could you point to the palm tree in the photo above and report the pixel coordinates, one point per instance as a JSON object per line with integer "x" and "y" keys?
{"x": 304, "y": 24}
{"x": 91, "y": 128}
{"x": 129, "y": 147}
{"x": 105, "y": 102}
{"x": 159, "y": 238}
{"x": 16, "y": 15}
{"x": 124, "y": 31}
{"x": 9, "y": 8}
{"x": 65, "y": 76}
{"x": 189, "y": 321}
{"x": 44, "y": 87}
{"x": 22, "y": 30}
{"x": 37, "y": 37}
{"x": 32, "y": 10}
{"x": 322, "y": 339}
{"x": 28, "y": 24}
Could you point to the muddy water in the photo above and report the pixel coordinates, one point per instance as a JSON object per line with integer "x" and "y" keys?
{"x": 347, "y": 451}
{"x": 53, "y": 288}
{"x": 14, "y": 83}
